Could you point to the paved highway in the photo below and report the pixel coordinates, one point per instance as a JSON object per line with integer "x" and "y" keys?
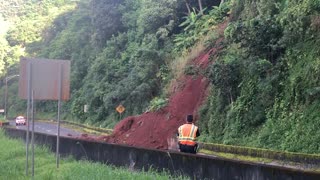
{"x": 48, "y": 128}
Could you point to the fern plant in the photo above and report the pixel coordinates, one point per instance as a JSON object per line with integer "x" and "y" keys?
{"x": 157, "y": 103}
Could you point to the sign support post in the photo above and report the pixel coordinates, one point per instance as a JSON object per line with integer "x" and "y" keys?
{"x": 32, "y": 135}
{"x": 43, "y": 79}
{"x": 120, "y": 109}
{"x": 29, "y": 69}
{"x": 60, "y": 75}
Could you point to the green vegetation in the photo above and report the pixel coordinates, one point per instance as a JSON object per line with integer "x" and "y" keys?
{"x": 311, "y": 159}
{"x": 264, "y": 160}
{"x": 236, "y": 156}
{"x": 157, "y": 103}
{"x": 2, "y": 120}
{"x": 23, "y": 26}
{"x": 120, "y": 52}
{"x": 87, "y": 128}
{"x": 12, "y": 163}
{"x": 266, "y": 81}
{"x": 265, "y": 85}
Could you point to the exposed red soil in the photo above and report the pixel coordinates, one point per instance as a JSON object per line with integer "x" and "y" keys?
{"x": 154, "y": 129}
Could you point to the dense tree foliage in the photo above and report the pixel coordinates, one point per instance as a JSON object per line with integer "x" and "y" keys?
{"x": 271, "y": 49}
{"x": 22, "y": 23}
{"x": 264, "y": 84}
{"x": 116, "y": 49}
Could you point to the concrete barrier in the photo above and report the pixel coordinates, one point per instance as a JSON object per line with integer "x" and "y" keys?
{"x": 193, "y": 166}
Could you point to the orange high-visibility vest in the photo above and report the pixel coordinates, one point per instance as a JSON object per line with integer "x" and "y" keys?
{"x": 187, "y": 134}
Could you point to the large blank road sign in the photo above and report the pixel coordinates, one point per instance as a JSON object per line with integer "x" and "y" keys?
{"x": 45, "y": 78}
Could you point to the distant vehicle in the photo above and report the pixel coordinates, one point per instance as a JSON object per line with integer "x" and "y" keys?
{"x": 20, "y": 120}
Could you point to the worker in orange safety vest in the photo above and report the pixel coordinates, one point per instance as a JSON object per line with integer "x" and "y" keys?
{"x": 187, "y": 135}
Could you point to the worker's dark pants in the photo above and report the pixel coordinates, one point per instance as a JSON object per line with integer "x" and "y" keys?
{"x": 188, "y": 149}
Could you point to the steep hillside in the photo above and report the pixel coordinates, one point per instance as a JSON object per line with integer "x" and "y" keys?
{"x": 155, "y": 129}
{"x": 158, "y": 129}
{"x": 262, "y": 90}
{"x": 266, "y": 82}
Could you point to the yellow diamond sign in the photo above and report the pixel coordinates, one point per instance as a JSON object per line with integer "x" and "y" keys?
{"x": 120, "y": 109}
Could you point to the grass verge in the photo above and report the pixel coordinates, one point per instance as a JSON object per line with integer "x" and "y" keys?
{"x": 12, "y": 163}
{"x": 308, "y": 162}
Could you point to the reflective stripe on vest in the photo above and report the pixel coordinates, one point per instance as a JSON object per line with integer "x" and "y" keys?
{"x": 187, "y": 134}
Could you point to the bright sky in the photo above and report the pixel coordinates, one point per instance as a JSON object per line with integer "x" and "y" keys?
{"x": 4, "y": 26}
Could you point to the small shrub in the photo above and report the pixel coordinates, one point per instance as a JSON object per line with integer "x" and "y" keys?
{"x": 157, "y": 103}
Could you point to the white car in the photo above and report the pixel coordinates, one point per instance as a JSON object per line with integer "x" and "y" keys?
{"x": 20, "y": 120}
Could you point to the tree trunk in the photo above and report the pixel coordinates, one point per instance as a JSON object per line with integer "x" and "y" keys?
{"x": 188, "y": 6}
{"x": 231, "y": 99}
{"x": 200, "y": 6}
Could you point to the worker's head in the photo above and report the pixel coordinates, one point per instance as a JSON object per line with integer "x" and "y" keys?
{"x": 189, "y": 118}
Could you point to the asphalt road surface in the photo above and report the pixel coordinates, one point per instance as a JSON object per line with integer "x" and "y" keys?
{"x": 48, "y": 128}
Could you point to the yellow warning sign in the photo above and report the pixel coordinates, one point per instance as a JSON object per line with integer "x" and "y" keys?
{"x": 120, "y": 109}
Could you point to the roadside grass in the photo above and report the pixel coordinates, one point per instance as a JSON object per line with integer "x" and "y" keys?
{"x": 13, "y": 157}
{"x": 87, "y": 128}
{"x": 2, "y": 119}
{"x": 263, "y": 160}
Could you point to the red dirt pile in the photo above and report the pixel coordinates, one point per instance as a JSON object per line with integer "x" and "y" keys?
{"x": 152, "y": 129}
{"x": 155, "y": 129}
